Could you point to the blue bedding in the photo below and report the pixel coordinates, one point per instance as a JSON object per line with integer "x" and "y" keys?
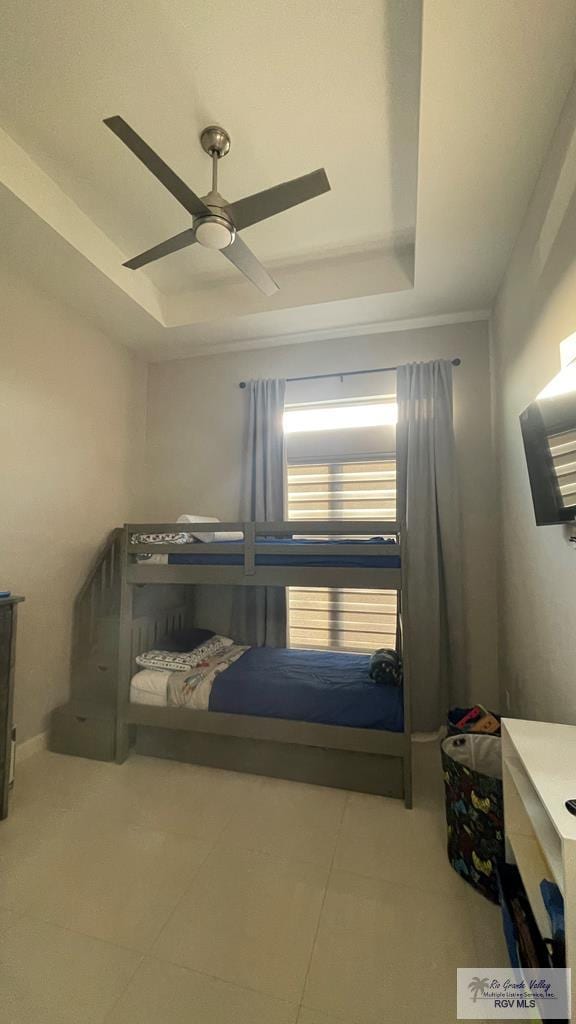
{"x": 308, "y": 686}
{"x": 357, "y": 559}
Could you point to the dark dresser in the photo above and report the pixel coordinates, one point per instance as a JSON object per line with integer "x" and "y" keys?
{"x": 8, "y": 608}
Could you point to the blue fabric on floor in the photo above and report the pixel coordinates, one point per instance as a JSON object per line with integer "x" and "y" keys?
{"x": 308, "y": 686}
{"x": 554, "y": 904}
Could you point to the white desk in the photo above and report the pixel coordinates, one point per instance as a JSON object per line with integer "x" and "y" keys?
{"x": 539, "y": 775}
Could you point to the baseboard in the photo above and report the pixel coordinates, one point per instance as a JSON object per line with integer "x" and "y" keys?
{"x": 32, "y": 746}
{"x": 429, "y": 737}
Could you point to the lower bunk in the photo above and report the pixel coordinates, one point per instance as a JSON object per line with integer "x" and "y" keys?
{"x": 312, "y": 716}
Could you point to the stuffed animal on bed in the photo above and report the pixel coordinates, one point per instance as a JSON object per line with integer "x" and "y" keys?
{"x": 386, "y": 667}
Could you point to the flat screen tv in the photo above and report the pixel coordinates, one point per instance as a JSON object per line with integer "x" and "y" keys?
{"x": 549, "y": 435}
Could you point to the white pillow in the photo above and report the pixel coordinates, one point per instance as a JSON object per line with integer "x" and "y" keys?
{"x": 185, "y": 518}
{"x": 209, "y": 536}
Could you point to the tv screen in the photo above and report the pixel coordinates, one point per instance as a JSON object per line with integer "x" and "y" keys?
{"x": 549, "y": 435}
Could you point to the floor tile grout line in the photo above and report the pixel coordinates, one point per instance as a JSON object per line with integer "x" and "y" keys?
{"x": 212, "y": 846}
{"x": 121, "y": 994}
{"x": 36, "y": 919}
{"x": 40, "y": 919}
{"x": 181, "y": 897}
{"x": 223, "y": 981}
{"x": 317, "y": 929}
{"x": 274, "y": 857}
{"x": 237, "y": 848}
{"x": 204, "y": 974}
{"x": 420, "y": 889}
{"x": 46, "y": 919}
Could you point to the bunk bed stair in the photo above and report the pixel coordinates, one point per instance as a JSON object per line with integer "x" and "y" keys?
{"x": 86, "y": 725}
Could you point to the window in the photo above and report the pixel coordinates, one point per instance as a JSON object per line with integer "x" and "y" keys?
{"x": 358, "y": 621}
{"x": 375, "y": 412}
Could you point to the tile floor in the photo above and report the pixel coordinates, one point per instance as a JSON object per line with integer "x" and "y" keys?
{"x": 160, "y": 893}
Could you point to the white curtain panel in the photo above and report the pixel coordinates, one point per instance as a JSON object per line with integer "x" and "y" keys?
{"x": 260, "y": 612}
{"x": 429, "y": 510}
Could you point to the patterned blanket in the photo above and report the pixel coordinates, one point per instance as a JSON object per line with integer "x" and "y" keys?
{"x": 192, "y": 689}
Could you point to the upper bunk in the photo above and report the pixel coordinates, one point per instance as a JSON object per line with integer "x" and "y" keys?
{"x": 361, "y": 554}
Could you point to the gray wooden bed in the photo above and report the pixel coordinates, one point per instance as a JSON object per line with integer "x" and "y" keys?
{"x": 126, "y": 605}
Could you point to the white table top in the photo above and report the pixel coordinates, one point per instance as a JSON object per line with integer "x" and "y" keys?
{"x": 548, "y": 753}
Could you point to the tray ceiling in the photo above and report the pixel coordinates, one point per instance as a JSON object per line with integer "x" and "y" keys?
{"x": 426, "y": 197}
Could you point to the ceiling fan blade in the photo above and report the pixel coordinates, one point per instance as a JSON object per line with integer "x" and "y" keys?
{"x": 156, "y": 165}
{"x": 274, "y": 200}
{"x": 173, "y": 244}
{"x": 244, "y": 259}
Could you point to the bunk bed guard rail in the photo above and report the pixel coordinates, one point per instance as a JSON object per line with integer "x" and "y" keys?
{"x": 388, "y": 531}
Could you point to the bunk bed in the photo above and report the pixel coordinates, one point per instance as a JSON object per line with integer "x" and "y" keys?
{"x": 141, "y": 588}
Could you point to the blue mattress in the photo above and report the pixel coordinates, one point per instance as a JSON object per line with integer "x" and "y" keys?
{"x": 357, "y": 558}
{"x": 308, "y": 686}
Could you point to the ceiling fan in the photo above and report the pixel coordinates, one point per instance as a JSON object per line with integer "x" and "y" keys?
{"x": 215, "y": 221}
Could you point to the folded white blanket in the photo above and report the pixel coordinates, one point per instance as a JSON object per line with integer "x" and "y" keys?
{"x": 210, "y": 536}
{"x": 150, "y": 680}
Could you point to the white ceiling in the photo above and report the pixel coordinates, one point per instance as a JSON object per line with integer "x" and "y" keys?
{"x": 427, "y": 194}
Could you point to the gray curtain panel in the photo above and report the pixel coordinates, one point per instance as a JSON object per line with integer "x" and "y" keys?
{"x": 260, "y": 612}
{"x": 429, "y": 510}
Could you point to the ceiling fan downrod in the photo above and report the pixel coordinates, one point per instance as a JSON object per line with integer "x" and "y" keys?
{"x": 215, "y": 141}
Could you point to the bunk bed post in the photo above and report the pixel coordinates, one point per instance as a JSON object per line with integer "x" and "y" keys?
{"x": 249, "y": 548}
{"x": 124, "y": 655}
{"x": 401, "y": 633}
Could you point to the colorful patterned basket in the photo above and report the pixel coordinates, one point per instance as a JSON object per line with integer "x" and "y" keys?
{"x": 474, "y": 809}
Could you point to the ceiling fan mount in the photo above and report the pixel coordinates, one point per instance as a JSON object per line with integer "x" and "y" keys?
{"x": 216, "y": 223}
{"x": 215, "y": 140}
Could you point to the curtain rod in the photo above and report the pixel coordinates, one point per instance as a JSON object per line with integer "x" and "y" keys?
{"x": 346, "y": 373}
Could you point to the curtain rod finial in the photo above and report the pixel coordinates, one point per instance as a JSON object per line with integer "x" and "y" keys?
{"x": 456, "y": 362}
{"x": 242, "y": 384}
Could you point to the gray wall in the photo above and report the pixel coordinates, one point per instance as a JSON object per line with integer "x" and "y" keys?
{"x": 534, "y": 312}
{"x": 196, "y": 423}
{"x": 72, "y": 419}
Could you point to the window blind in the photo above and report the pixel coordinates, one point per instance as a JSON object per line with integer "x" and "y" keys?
{"x": 342, "y": 490}
{"x": 351, "y": 619}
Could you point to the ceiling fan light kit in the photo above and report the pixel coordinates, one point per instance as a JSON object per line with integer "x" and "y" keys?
{"x": 216, "y": 222}
{"x": 214, "y": 232}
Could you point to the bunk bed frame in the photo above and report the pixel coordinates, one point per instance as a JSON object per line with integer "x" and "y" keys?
{"x": 127, "y": 604}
